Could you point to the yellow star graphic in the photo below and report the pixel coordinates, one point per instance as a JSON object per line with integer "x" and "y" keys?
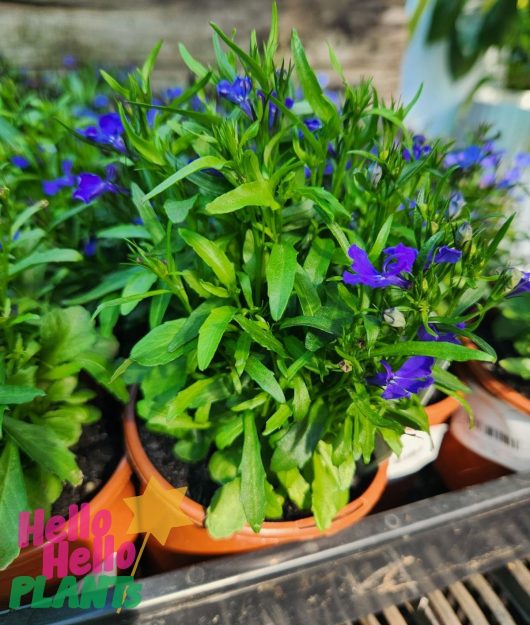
{"x": 157, "y": 510}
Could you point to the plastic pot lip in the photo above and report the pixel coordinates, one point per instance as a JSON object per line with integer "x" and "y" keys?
{"x": 104, "y": 499}
{"x": 145, "y": 469}
{"x": 495, "y": 386}
{"x": 440, "y": 411}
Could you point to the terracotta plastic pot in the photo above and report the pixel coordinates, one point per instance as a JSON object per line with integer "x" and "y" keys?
{"x": 440, "y": 411}
{"x": 195, "y": 539}
{"x": 459, "y": 466}
{"x": 110, "y": 498}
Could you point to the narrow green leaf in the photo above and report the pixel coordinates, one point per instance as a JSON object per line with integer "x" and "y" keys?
{"x": 442, "y": 350}
{"x": 226, "y": 514}
{"x": 177, "y": 210}
{"x": 318, "y": 259}
{"x": 280, "y": 273}
{"x": 296, "y": 446}
{"x": 194, "y": 66}
{"x": 126, "y": 231}
{"x": 261, "y": 336}
{"x": 277, "y": 419}
{"x": 264, "y": 378}
{"x": 212, "y": 255}
{"x": 245, "y": 59}
{"x": 13, "y": 394}
{"x": 191, "y": 327}
{"x": 55, "y": 255}
{"x": 321, "y": 106}
{"x": 306, "y": 292}
{"x": 41, "y": 445}
{"x": 242, "y": 352}
{"x": 211, "y": 333}
{"x": 137, "y": 285}
{"x": 252, "y": 475}
{"x": 13, "y": 501}
{"x": 204, "y": 162}
{"x": 152, "y": 349}
{"x": 257, "y": 193}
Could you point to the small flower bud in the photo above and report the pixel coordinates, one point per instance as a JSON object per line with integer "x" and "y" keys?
{"x": 464, "y": 234}
{"x": 394, "y": 318}
{"x": 456, "y": 203}
{"x": 375, "y": 173}
{"x": 515, "y": 276}
{"x": 345, "y": 365}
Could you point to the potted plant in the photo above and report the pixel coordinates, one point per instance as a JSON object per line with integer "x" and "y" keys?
{"x": 55, "y": 449}
{"x": 305, "y": 277}
{"x": 497, "y": 444}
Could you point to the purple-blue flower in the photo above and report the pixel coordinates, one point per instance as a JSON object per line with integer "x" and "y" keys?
{"x": 237, "y": 92}
{"x": 313, "y": 124}
{"x": 523, "y": 286}
{"x": 91, "y": 186}
{"x": 444, "y": 337}
{"x": 20, "y": 161}
{"x": 398, "y": 260}
{"x": 108, "y": 132}
{"x": 419, "y": 149}
{"x": 90, "y": 247}
{"x": 101, "y": 101}
{"x": 68, "y": 179}
{"x": 444, "y": 254}
{"x": 413, "y": 376}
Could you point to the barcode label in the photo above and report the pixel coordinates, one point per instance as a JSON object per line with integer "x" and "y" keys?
{"x": 497, "y": 435}
{"x": 501, "y": 432}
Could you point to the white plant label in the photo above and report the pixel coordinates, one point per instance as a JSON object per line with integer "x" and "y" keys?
{"x": 501, "y": 432}
{"x": 419, "y": 449}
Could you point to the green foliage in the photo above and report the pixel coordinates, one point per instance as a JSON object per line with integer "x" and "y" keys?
{"x": 219, "y": 261}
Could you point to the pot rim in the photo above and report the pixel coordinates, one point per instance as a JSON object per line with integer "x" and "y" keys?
{"x": 145, "y": 469}
{"x": 104, "y": 498}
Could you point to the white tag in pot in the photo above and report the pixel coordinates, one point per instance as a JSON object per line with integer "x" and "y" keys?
{"x": 501, "y": 432}
{"x": 419, "y": 449}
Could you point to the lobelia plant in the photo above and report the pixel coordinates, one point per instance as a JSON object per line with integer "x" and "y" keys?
{"x": 44, "y": 348}
{"x": 307, "y": 276}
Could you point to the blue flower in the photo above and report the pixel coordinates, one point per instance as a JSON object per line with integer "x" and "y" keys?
{"x": 20, "y": 161}
{"x": 444, "y": 337}
{"x": 419, "y": 149}
{"x": 69, "y": 61}
{"x": 444, "y": 254}
{"x": 398, "y": 260}
{"x": 273, "y": 109}
{"x": 237, "y": 92}
{"x": 52, "y": 187}
{"x": 523, "y": 285}
{"x": 101, "y": 101}
{"x": 464, "y": 158}
{"x": 413, "y": 376}
{"x": 108, "y": 132}
{"x": 90, "y": 247}
{"x": 289, "y": 103}
{"x": 313, "y": 124}
{"x": 91, "y": 186}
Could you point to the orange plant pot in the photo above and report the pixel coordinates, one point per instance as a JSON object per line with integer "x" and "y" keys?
{"x": 110, "y": 498}
{"x": 440, "y": 411}
{"x": 459, "y": 466}
{"x": 195, "y": 539}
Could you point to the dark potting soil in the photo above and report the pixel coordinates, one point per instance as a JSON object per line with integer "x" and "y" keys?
{"x": 98, "y": 452}
{"x": 504, "y": 349}
{"x": 196, "y": 477}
